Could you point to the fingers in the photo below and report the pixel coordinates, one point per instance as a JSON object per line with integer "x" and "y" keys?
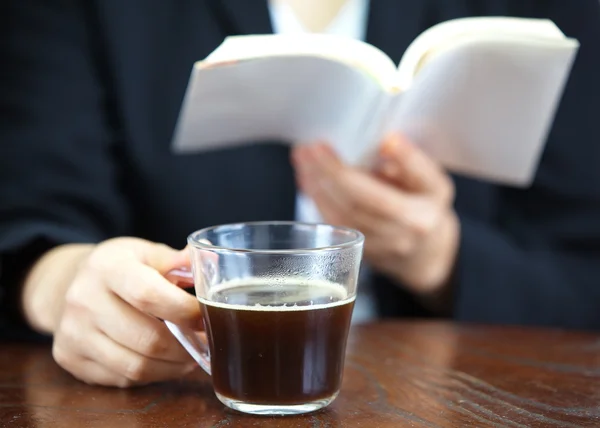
{"x": 158, "y": 256}
{"x": 133, "y": 269}
{"x": 141, "y": 333}
{"x": 133, "y": 366}
{"x": 148, "y": 291}
{"x": 405, "y": 165}
{"x": 164, "y": 258}
{"x": 89, "y": 371}
{"x": 339, "y": 190}
{"x": 402, "y": 210}
{"x": 100, "y": 360}
{"x": 355, "y": 198}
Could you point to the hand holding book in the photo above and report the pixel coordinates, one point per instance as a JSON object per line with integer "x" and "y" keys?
{"x": 403, "y": 206}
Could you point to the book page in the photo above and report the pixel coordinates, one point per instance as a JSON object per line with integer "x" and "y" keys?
{"x": 354, "y": 53}
{"x": 484, "y": 108}
{"x": 282, "y": 99}
{"x": 449, "y": 34}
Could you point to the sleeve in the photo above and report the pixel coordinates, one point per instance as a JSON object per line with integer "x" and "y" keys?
{"x": 58, "y": 177}
{"x": 540, "y": 262}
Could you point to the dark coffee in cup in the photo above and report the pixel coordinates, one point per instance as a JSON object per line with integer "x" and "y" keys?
{"x": 277, "y": 342}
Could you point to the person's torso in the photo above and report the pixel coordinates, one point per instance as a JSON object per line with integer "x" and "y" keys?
{"x": 145, "y": 52}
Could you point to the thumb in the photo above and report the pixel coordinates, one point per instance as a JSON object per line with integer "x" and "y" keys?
{"x": 405, "y": 165}
{"x": 162, "y": 257}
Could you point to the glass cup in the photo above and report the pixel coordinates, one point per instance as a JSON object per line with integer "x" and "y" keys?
{"x": 276, "y": 299}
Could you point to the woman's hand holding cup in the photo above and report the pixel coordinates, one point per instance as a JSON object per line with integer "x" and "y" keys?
{"x": 106, "y": 321}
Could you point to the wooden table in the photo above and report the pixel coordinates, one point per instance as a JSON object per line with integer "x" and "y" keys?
{"x": 397, "y": 374}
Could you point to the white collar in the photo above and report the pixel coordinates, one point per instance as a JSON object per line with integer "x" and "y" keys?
{"x": 351, "y": 21}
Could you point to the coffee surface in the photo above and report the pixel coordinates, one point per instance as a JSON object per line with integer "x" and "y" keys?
{"x": 277, "y": 342}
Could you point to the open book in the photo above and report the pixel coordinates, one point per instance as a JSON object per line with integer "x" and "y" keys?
{"x": 479, "y": 95}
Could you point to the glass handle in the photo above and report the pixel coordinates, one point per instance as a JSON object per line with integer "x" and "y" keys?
{"x": 191, "y": 340}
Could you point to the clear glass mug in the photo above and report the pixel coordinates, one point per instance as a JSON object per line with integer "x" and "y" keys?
{"x": 276, "y": 299}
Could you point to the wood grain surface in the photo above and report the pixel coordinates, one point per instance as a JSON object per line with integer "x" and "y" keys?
{"x": 421, "y": 374}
